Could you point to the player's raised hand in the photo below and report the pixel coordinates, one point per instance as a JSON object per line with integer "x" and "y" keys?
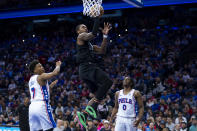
{"x": 58, "y": 63}
{"x": 106, "y": 29}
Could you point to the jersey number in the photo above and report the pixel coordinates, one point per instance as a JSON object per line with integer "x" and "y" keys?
{"x": 124, "y": 107}
{"x": 33, "y": 90}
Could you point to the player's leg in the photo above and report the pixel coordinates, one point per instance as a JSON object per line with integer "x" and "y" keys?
{"x": 46, "y": 117}
{"x": 120, "y": 126}
{"x": 34, "y": 122}
{"x": 97, "y": 79}
{"x": 100, "y": 80}
{"x": 94, "y": 78}
{"x": 130, "y": 127}
{"x": 104, "y": 83}
{"x": 82, "y": 117}
{"x": 91, "y": 107}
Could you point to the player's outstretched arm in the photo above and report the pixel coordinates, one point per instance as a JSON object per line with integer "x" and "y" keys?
{"x": 115, "y": 109}
{"x": 85, "y": 36}
{"x": 46, "y": 76}
{"x": 138, "y": 96}
{"x": 89, "y": 36}
{"x": 102, "y": 48}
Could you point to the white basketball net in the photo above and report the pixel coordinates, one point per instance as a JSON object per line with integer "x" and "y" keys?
{"x": 91, "y": 7}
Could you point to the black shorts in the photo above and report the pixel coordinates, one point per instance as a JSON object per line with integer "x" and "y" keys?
{"x": 92, "y": 75}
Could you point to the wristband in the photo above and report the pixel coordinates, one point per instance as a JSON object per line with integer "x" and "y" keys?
{"x": 105, "y": 36}
{"x": 57, "y": 68}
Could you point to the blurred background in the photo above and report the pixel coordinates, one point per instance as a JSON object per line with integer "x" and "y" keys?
{"x": 155, "y": 45}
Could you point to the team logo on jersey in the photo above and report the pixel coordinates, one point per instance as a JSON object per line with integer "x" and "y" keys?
{"x": 125, "y": 100}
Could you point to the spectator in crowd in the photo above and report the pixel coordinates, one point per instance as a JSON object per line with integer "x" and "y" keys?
{"x": 91, "y": 126}
{"x": 177, "y": 127}
{"x": 106, "y": 126}
{"x": 174, "y": 97}
{"x": 66, "y": 126}
{"x": 10, "y": 120}
{"x": 1, "y": 121}
{"x": 162, "y": 125}
{"x": 151, "y": 127}
{"x": 12, "y": 85}
{"x": 170, "y": 124}
{"x": 59, "y": 108}
{"x": 60, "y": 126}
{"x": 165, "y": 96}
{"x": 180, "y": 118}
{"x": 68, "y": 116}
{"x": 165, "y": 129}
{"x": 193, "y": 127}
{"x": 184, "y": 126}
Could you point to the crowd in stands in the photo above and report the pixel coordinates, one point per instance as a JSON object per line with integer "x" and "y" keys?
{"x": 25, "y": 4}
{"x": 151, "y": 57}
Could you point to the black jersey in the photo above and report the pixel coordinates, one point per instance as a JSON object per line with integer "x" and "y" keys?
{"x": 85, "y": 53}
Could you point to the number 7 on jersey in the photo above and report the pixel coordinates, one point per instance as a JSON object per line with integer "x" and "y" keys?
{"x": 33, "y": 90}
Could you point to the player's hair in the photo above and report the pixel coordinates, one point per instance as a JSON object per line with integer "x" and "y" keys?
{"x": 33, "y": 65}
{"x": 77, "y": 27}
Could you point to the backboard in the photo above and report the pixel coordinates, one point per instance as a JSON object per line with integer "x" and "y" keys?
{"x": 136, "y": 3}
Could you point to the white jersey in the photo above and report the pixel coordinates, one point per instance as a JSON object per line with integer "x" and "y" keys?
{"x": 40, "y": 114}
{"x": 38, "y": 93}
{"x": 126, "y": 104}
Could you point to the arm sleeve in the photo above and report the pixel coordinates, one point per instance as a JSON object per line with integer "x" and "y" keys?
{"x": 96, "y": 25}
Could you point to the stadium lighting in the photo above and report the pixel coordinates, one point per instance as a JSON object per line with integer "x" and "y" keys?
{"x": 78, "y": 8}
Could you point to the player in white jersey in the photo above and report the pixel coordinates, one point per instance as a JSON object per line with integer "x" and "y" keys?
{"x": 124, "y": 110}
{"x": 40, "y": 115}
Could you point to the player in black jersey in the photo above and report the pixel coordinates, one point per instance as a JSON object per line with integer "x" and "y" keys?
{"x": 96, "y": 79}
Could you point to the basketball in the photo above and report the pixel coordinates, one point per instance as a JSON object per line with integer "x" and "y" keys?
{"x": 94, "y": 10}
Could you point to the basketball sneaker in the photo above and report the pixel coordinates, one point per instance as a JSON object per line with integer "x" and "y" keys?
{"x": 81, "y": 118}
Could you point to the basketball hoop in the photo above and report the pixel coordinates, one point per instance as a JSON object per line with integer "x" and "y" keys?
{"x": 92, "y": 7}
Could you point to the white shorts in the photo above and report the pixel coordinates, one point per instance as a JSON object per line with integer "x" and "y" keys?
{"x": 125, "y": 124}
{"x": 40, "y": 116}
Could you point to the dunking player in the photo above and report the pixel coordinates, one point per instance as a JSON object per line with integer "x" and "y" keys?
{"x": 125, "y": 101}
{"x": 96, "y": 79}
{"x": 40, "y": 115}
